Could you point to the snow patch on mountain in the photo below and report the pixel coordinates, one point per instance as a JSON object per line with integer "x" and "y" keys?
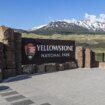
{"x": 34, "y": 28}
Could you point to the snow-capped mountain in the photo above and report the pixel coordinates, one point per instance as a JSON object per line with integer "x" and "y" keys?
{"x": 85, "y": 26}
{"x": 89, "y": 25}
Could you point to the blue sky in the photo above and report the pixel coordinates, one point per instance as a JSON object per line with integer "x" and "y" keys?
{"x": 26, "y": 14}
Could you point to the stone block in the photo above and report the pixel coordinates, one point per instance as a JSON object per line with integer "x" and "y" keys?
{"x": 66, "y": 66}
{"x": 41, "y": 68}
{"x": 50, "y": 68}
{"x": 28, "y": 69}
{"x": 70, "y": 65}
{"x": 59, "y": 67}
{"x": 73, "y": 65}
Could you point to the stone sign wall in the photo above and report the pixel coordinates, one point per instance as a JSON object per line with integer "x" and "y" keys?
{"x": 11, "y": 57}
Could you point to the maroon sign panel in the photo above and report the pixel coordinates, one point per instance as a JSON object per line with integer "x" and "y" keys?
{"x": 38, "y": 51}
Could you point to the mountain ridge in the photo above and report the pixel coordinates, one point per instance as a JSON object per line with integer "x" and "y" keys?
{"x": 76, "y": 27}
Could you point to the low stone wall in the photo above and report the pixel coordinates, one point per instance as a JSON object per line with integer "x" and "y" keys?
{"x": 47, "y": 68}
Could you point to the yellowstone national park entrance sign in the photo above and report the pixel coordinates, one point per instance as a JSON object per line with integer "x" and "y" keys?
{"x": 38, "y": 51}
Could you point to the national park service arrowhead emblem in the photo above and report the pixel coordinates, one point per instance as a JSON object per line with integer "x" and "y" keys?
{"x": 30, "y": 50}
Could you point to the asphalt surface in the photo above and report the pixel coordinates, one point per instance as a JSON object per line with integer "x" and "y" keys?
{"x": 70, "y": 87}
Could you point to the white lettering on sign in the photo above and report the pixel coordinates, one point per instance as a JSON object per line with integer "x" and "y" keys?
{"x": 50, "y": 55}
{"x": 54, "y": 48}
{"x": 56, "y": 55}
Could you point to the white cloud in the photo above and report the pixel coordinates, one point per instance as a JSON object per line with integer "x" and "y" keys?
{"x": 50, "y": 17}
{"x": 102, "y": 18}
{"x": 93, "y": 18}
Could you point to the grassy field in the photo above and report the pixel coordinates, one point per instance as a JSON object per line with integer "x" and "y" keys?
{"x": 95, "y": 42}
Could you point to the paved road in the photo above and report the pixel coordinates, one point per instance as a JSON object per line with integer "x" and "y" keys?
{"x": 71, "y": 87}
